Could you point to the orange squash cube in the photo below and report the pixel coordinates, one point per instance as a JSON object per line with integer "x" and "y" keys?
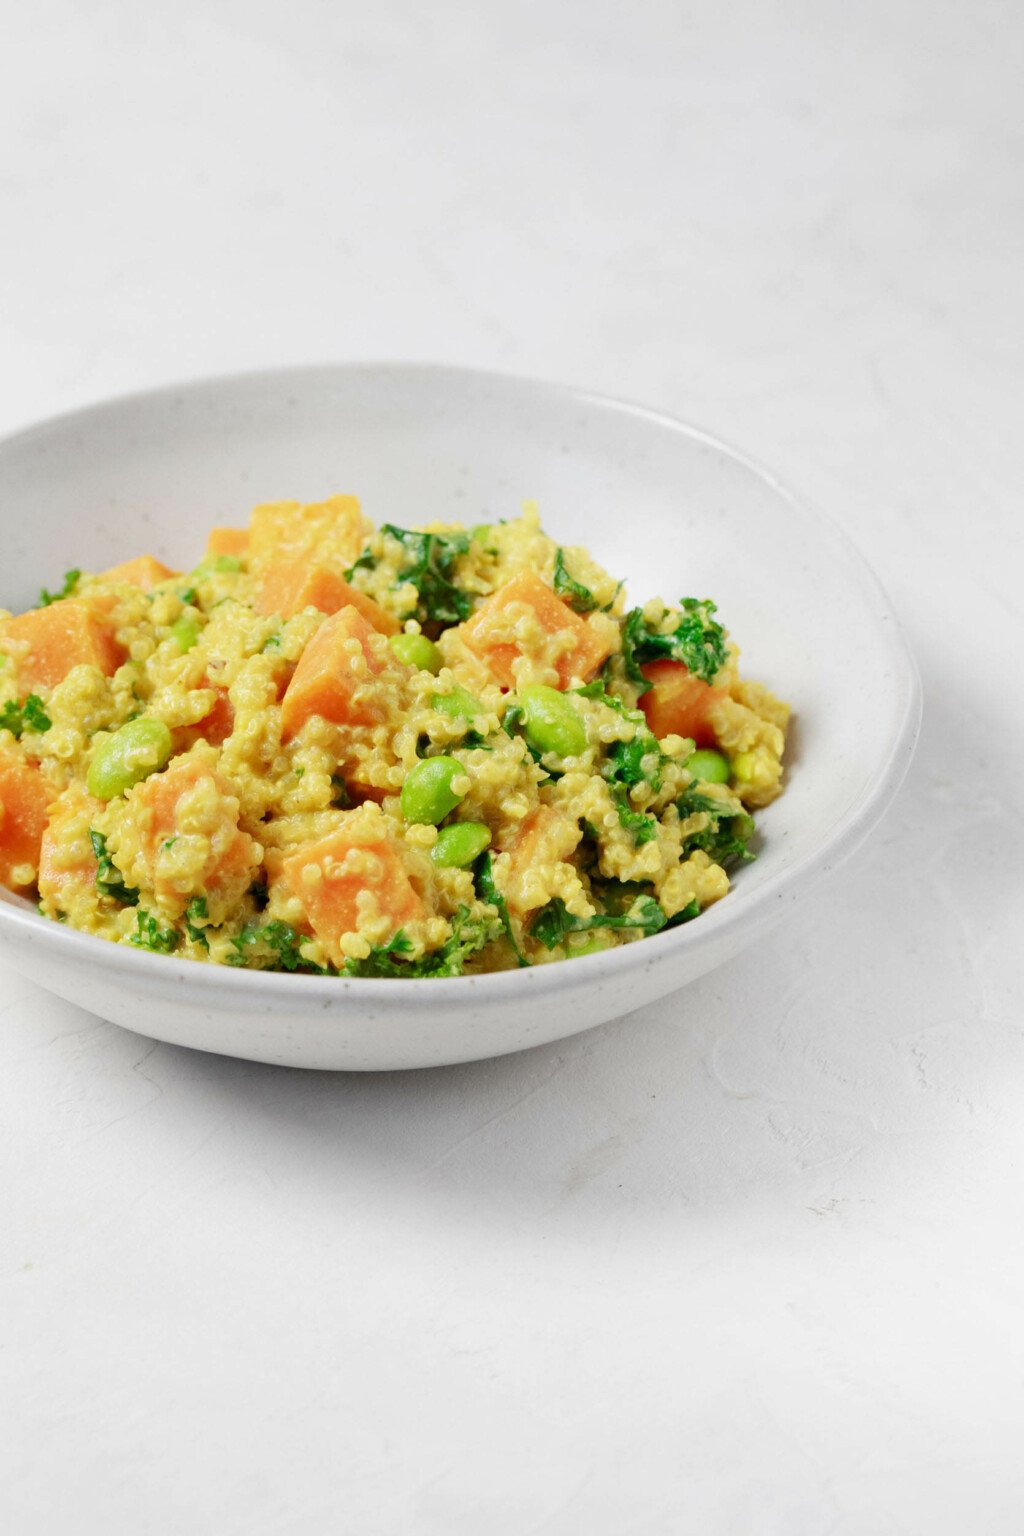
{"x": 228, "y": 541}
{"x": 677, "y": 703}
{"x": 489, "y": 632}
{"x": 353, "y": 876}
{"x": 284, "y": 530}
{"x": 190, "y": 799}
{"x": 143, "y": 572}
{"x": 288, "y": 586}
{"x": 66, "y": 857}
{"x": 68, "y": 634}
{"x": 24, "y": 799}
{"x": 336, "y": 675}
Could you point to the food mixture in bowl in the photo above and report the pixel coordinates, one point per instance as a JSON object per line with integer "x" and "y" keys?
{"x": 385, "y": 753}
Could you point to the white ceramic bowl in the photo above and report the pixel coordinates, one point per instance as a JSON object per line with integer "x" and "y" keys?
{"x": 673, "y": 511}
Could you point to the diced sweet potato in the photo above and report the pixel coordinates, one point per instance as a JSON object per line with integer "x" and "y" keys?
{"x": 66, "y": 859}
{"x": 547, "y": 837}
{"x": 71, "y": 633}
{"x": 217, "y": 726}
{"x": 336, "y": 675}
{"x": 288, "y": 586}
{"x": 142, "y": 572}
{"x": 24, "y": 798}
{"x": 190, "y": 804}
{"x": 352, "y": 879}
{"x": 284, "y": 530}
{"x": 490, "y": 632}
{"x": 677, "y": 703}
{"x": 228, "y": 541}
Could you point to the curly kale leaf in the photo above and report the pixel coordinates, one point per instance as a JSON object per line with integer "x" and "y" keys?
{"x": 273, "y": 946}
{"x": 149, "y": 935}
{"x": 429, "y": 563}
{"x": 71, "y": 580}
{"x": 579, "y": 597}
{"x": 29, "y": 715}
{"x": 486, "y": 889}
{"x": 727, "y": 833}
{"x": 698, "y": 641}
{"x": 109, "y": 879}
{"x": 643, "y": 827}
{"x": 554, "y": 923}
{"x": 469, "y": 935}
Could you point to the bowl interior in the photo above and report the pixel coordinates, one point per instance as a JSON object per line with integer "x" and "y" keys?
{"x": 671, "y": 511}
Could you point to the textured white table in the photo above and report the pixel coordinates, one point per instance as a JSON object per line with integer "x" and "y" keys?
{"x": 750, "y": 1261}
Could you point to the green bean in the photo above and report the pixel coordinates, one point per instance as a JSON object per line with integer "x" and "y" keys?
{"x": 551, "y": 723}
{"x": 416, "y": 651}
{"x": 427, "y": 794}
{"x": 130, "y": 755}
{"x": 186, "y": 632}
{"x": 460, "y": 844}
{"x": 457, "y": 705}
{"x": 710, "y": 766}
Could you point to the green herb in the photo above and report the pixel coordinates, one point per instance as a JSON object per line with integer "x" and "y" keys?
{"x": 273, "y": 947}
{"x": 272, "y": 643}
{"x": 429, "y": 562}
{"x": 554, "y": 923}
{"x": 698, "y": 641}
{"x": 71, "y": 579}
{"x": 579, "y": 597}
{"x": 149, "y": 935}
{"x": 109, "y": 879}
{"x": 727, "y": 833}
{"x": 29, "y": 715}
{"x": 483, "y": 879}
{"x": 194, "y": 913}
{"x": 643, "y": 827}
{"x": 188, "y": 597}
{"x": 469, "y": 935}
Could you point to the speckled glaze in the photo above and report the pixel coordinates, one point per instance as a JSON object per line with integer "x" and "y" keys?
{"x": 675, "y": 512}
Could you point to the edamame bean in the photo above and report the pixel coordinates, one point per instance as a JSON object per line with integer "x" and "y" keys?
{"x": 417, "y": 651}
{"x": 458, "y": 845}
{"x": 551, "y": 723}
{"x": 427, "y": 794}
{"x": 457, "y": 705}
{"x": 743, "y": 766}
{"x": 130, "y": 755}
{"x": 710, "y": 766}
{"x": 186, "y": 632}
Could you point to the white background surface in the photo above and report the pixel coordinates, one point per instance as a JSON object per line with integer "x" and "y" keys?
{"x": 750, "y": 1261}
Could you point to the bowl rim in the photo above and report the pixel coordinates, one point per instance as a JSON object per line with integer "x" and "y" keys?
{"x": 750, "y": 908}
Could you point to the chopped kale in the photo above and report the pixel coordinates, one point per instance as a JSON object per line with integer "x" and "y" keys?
{"x": 579, "y": 597}
{"x": 273, "y": 946}
{"x": 487, "y": 891}
{"x": 554, "y": 923}
{"x": 109, "y": 879}
{"x": 698, "y": 641}
{"x": 71, "y": 579}
{"x": 643, "y": 827}
{"x": 194, "y": 913}
{"x": 149, "y": 935}
{"x": 727, "y": 833}
{"x": 29, "y": 715}
{"x": 469, "y": 935}
{"x": 429, "y": 562}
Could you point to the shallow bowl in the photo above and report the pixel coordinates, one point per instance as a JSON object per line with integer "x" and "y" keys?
{"x": 664, "y": 505}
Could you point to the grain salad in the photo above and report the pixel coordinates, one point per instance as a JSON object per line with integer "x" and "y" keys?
{"x": 387, "y": 752}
